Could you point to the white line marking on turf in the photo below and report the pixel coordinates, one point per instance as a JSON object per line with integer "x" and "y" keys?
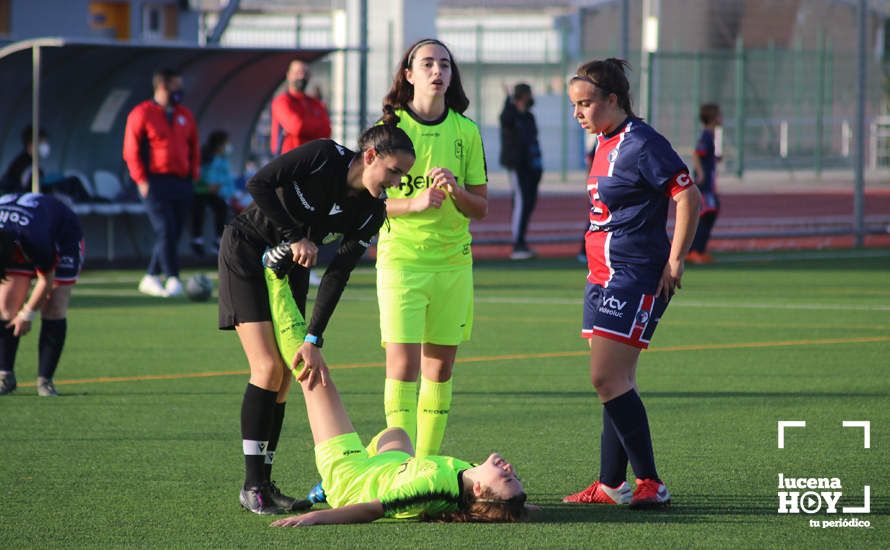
{"x": 532, "y": 300}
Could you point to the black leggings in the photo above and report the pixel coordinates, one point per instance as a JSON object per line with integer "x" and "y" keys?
{"x": 525, "y": 195}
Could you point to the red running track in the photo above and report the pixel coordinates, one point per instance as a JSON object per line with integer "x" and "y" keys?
{"x": 743, "y": 209}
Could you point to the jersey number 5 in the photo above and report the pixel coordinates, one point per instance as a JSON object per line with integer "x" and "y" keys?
{"x": 599, "y": 212}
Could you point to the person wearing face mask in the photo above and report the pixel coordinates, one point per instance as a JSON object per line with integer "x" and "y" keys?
{"x": 521, "y": 156}
{"x": 213, "y": 190}
{"x": 161, "y": 152}
{"x": 17, "y": 178}
{"x": 297, "y": 117}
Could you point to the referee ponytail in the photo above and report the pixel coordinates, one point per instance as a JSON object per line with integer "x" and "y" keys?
{"x": 386, "y": 138}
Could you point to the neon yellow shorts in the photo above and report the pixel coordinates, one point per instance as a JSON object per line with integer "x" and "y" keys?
{"x": 425, "y": 307}
{"x": 340, "y": 460}
{"x": 348, "y": 475}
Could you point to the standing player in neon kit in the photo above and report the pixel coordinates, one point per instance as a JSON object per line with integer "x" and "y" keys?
{"x": 633, "y": 270}
{"x": 424, "y": 262}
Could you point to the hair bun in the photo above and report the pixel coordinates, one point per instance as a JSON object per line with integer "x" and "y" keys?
{"x": 389, "y": 115}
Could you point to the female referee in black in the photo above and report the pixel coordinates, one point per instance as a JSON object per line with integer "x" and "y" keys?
{"x": 306, "y": 197}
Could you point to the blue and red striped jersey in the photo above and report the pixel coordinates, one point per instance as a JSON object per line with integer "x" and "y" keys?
{"x": 634, "y": 173}
{"x": 40, "y": 225}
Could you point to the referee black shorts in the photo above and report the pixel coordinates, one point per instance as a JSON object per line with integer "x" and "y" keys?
{"x": 243, "y": 297}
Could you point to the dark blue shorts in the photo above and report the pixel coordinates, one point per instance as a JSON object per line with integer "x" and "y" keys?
{"x": 68, "y": 265}
{"x": 628, "y": 316}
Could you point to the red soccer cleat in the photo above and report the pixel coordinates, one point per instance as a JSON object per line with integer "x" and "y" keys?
{"x": 600, "y": 493}
{"x": 694, "y": 257}
{"x": 650, "y": 494}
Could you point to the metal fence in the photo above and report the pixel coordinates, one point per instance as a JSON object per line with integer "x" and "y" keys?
{"x": 785, "y": 109}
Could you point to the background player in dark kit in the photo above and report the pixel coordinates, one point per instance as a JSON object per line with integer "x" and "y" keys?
{"x": 40, "y": 238}
{"x": 704, "y": 163}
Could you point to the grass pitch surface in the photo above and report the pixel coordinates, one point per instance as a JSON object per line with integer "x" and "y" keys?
{"x": 143, "y": 447}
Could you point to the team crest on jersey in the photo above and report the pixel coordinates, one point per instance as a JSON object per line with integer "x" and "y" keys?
{"x": 459, "y": 148}
{"x": 181, "y": 120}
{"x": 613, "y": 154}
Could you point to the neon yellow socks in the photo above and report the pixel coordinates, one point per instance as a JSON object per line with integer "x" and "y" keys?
{"x": 400, "y": 405}
{"x": 289, "y": 325}
{"x": 433, "y": 405}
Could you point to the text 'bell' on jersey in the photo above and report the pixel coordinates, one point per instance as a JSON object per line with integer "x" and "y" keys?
{"x": 43, "y": 227}
{"x": 437, "y": 238}
{"x": 634, "y": 173}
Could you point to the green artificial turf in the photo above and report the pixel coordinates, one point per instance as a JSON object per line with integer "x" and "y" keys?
{"x": 143, "y": 447}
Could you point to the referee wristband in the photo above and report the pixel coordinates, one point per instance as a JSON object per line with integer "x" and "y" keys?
{"x": 316, "y": 341}
{"x": 26, "y": 314}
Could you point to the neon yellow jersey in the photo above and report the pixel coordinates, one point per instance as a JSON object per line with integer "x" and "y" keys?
{"x": 437, "y": 239}
{"x": 408, "y": 487}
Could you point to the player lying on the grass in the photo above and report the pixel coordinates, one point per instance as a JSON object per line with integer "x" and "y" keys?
{"x": 385, "y": 479}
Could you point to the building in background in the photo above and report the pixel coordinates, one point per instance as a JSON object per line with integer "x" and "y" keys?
{"x": 131, "y": 20}
{"x": 784, "y": 70}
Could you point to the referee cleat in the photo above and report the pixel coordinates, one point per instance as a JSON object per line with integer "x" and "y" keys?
{"x": 600, "y": 493}
{"x": 280, "y": 499}
{"x": 46, "y": 388}
{"x": 316, "y": 495}
{"x": 279, "y": 259}
{"x": 7, "y": 383}
{"x": 650, "y": 494}
{"x": 259, "y": 500}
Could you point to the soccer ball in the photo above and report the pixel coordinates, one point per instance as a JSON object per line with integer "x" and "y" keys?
{"x": 199, "y": 288}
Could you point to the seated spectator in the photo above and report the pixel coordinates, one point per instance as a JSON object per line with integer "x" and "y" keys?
{"x": 241, "y": 199}
{"x": 213, "y": 190}
{"x": 17, "y": 178}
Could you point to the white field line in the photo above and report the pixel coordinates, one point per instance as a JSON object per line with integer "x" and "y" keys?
{"x": 532, "y": 300}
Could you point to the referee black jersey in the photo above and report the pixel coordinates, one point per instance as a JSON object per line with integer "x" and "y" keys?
{"x": 304, "y": 193}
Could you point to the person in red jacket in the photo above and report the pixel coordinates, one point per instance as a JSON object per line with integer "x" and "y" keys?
{"x": 162, "y": 155}
{"x": 297, "y": 118}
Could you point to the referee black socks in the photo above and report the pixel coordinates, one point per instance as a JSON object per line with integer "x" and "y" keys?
{"x": 277, "y": 422}
{"x": 257, "y": 411}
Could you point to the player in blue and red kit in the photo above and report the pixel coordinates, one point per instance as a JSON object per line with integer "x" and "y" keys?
{"x": 704, "y": 163}
{"x": 634, "y": 270}
{"x": 40, "y": 238}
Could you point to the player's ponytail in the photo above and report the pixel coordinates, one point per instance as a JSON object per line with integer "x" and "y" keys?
{"x": 487, "y": 509}
{"x": 610, "y": 76}
{"x": 386, "y": 138}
